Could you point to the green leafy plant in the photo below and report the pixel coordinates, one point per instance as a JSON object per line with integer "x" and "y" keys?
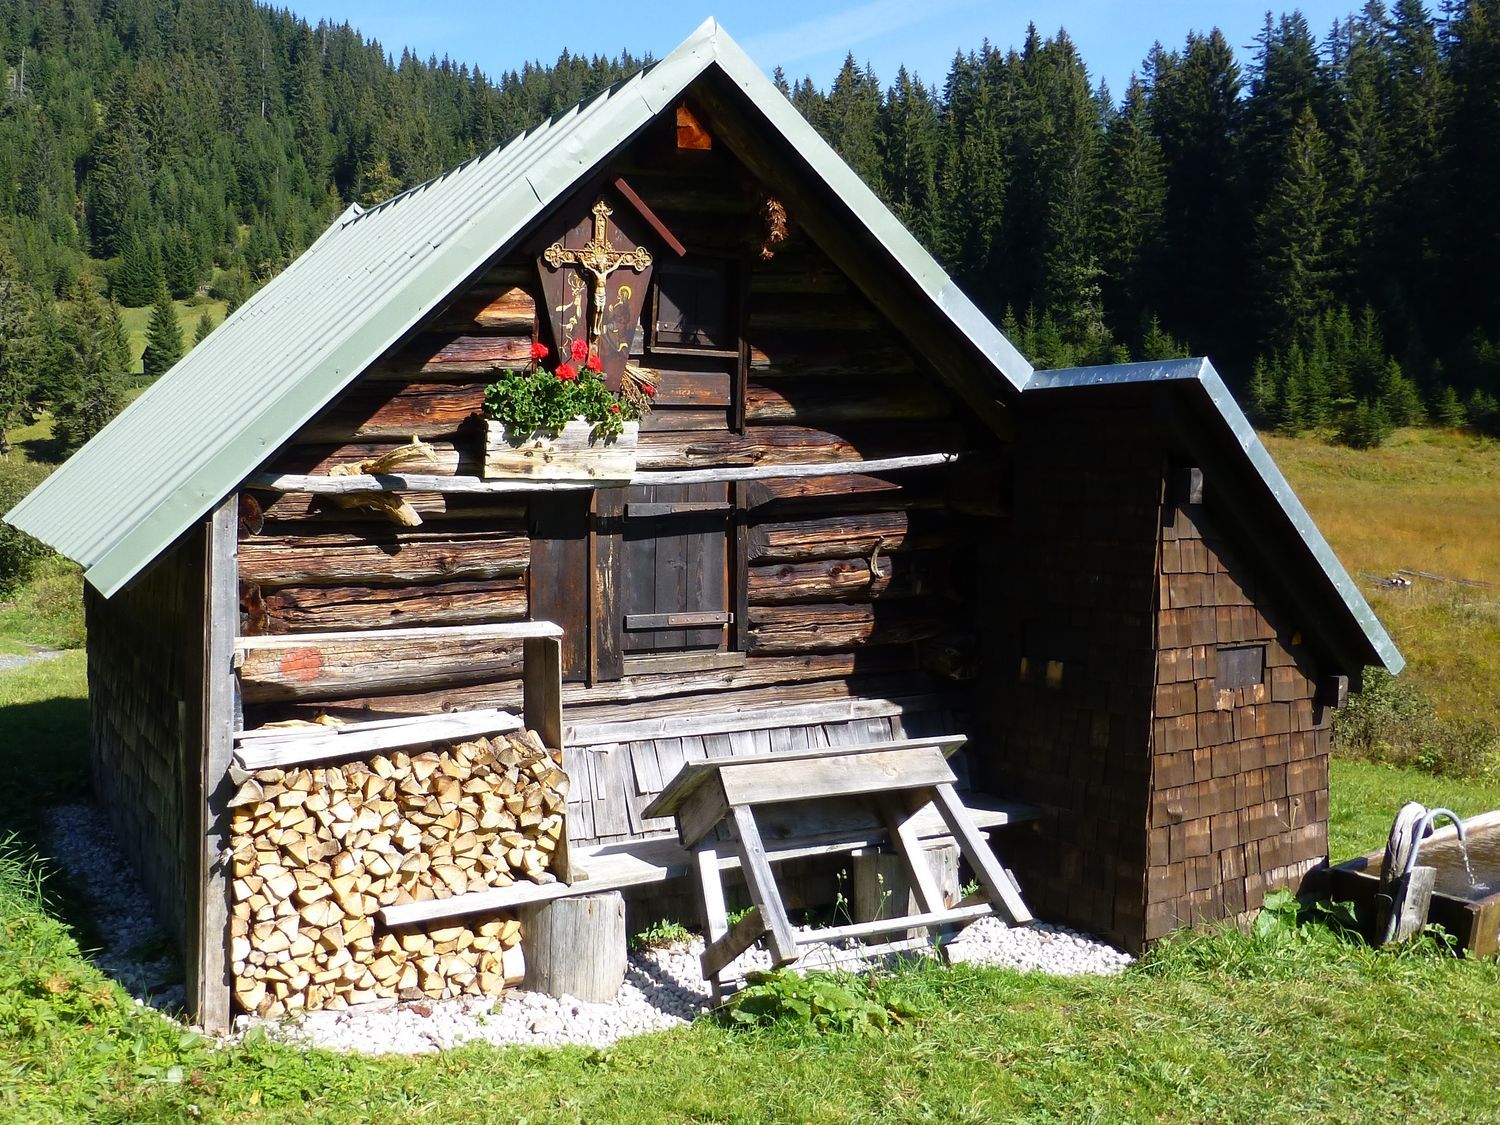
{"x": 822, "y": 1002}
{"x": 661, "y": 935}
{"x": 532, "y": 399}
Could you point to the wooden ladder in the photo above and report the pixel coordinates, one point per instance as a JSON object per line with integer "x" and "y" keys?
{"x": 900, "y": 778}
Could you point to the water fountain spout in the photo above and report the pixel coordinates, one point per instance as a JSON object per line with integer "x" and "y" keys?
{"x": 1423, "y": 827}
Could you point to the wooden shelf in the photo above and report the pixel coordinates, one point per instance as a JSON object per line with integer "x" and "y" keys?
{"x": 300, "y": 745}
{"x": 415, "y": 482}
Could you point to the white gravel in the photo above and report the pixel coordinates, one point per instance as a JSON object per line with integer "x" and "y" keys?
{"x": 136, "y": 951}
{"x": 663, "y": 987}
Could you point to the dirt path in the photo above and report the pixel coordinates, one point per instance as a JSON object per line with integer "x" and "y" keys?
{"x": 34, "y": 657}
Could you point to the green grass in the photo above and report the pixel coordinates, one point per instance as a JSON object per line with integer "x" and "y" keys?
{"x": 47, "y": 610}
{"x": 1218, "y": 1027}
{"x": 1429, "y": 500}
{"x": 138, "y": 320}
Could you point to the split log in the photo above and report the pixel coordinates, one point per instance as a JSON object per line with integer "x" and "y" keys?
{"x": 808, "y": 401}
{"x": 815, "y": 628}
{"x": 848, "y": 535}
{"x": 385, "y": 556}
{"x": 301, "y": 609}
{"x": 379, "y": 409}
{"x": 697, "y": 389}
{"x": 681, "y": 419}
{"x": 826, "y": 580}
{"x": 336, "y": 669}
{"x": 317, "y": 852}
{"x": 576, "y": 946}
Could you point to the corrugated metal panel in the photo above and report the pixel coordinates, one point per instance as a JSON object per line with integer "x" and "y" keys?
{"x": 372, "y": 276}
{"x": 1219, "y": 399}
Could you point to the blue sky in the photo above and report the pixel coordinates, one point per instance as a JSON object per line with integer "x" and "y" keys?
{"x": 806, "y": 38}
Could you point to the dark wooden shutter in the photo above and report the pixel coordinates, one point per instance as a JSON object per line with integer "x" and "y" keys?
{"x": 674, "y": 593}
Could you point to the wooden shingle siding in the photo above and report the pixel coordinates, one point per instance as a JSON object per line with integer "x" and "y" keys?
{"x": 144, "y": 711}
{"x": 1239, "y": 802}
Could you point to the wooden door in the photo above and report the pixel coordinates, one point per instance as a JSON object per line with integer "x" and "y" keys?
{"x": 674, "y": 589}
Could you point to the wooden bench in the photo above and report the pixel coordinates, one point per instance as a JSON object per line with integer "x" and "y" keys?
{"x": 896, "y": 781}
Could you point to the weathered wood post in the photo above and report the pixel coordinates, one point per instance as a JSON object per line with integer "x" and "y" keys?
{"x": 575, "y": 946}
{"x": 882, "y": 887}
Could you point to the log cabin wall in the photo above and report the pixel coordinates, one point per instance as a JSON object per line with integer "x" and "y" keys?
{"x": 1239, "y": 764}
{"x": 1067, "y": 678}
{"x": 144, "y": 669}
{"x": 840, "y": 588}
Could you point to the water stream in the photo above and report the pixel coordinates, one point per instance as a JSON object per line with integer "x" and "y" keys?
{"x": 1468, "y": 871}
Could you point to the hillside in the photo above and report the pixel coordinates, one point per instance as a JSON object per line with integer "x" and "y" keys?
{"x": 1427, "y": 501}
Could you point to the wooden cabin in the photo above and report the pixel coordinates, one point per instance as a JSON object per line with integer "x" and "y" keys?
{"x": 857, "y": 514}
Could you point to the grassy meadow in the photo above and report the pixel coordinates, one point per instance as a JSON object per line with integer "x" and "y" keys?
{"x": 138, "y": 320}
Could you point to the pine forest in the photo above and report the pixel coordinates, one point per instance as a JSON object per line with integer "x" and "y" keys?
{"x": 1319, "y": 218}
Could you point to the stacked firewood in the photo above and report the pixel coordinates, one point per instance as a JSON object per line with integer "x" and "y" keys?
{"x": 318, "y": 850}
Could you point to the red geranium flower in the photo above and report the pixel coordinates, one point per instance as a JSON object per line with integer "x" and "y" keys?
{"x": 579, "y": 349}
{"x": 566, "y": 371}
{"x": 649, "y": 389}
{"x": 538, "y": 351}
{"x": 614, "y": 408}
{"x": 595, "y": 363}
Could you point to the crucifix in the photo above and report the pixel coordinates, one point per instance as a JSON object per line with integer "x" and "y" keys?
{"x": 598, "y": 258}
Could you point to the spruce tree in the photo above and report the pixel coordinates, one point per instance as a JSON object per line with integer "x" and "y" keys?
{"x": 99, "y": 357}
{"x": 205, "y": 326}
{"x": 1291, "y": 239}
{"x": 1133, "y": 193}
{"x": 163, "y": 336}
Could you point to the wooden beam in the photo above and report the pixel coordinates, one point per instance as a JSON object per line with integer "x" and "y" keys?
{"x": 894, "y": 925}
{"x": 319, "y": 484}
{"x": 500, "y": 631}
{"x": 208, "y": 930}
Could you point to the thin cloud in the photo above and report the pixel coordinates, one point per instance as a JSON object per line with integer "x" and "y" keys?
{"x": 844, "y": 29}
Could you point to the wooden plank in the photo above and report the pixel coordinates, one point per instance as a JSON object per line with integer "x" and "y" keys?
{"x": 559, "y": 573}
{"x": 905, "y": 835}
{"x": 808, "y": 778}
{"x": 493, "y": 631}
{"x": 761, "y": 884}
{"x": 700, "y": 812}
{"x": 711, "y": 899}
{"x": 995, "y": 881}
{"x": 643, "y": 760}
{"x": 611, "y": 817}
{"x": 418, "y": 482}
{"x": 722, "y": 950}
{"x": 676, "y": 620}
{"x": 208, "y": 966}
{"x": 696, "y": 722}
{"x": 264, "y": 753}
{"x": 894, "y": 925}
{"x": 696, "y": 774}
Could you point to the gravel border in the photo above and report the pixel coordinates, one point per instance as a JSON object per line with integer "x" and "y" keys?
{"x": 663, "y": 987}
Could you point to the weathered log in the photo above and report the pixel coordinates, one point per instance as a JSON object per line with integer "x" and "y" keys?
{"x": 431, "y": 506}
{"x": 441, "y": 355}
{"x": 807, "y": 401}
{"x": 698, "y": 389}
{"x": 850, "y": 579}
{"x": 295, "y": 609}
{"x": 576, "y": 946}
{"x": 464, "y": 458}
{"x": 854, "y": 492}
{"x": 385, "y": 556}
{"x": 684, "y": 420}
{"x": 809, "y": 354}
{"x": 796, "y": 312}
{"x": 338, "y": 669}
{"x": 842, "y": 536}
{"x": 826, "y": 627}
{"x": 379, "y": 409}
{"x": 489, "y": 308}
